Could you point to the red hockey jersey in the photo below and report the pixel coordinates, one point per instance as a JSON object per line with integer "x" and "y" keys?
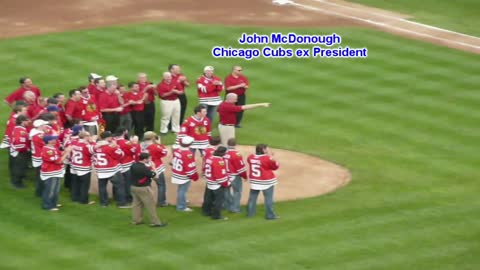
{"x": 19, "y": 141}
{"x": 261, "y": 173}
{"x": 235, "y": 164}
{"x": 89, "y": 109}
{"x": 216, "y": 172}
{"x": 208, "y": 93}
{"x": 51, "y": 165}
{"x": 184, "y": 168}
{"x": 81, "y": 157}
{"x": 37, "y": 143}
{"x": 157, "y": 151}
{"x": 8, "y": 131}
{"x": 199, "y": 129}
{"x": 107, "y": 159}
{"x": 129, "y": 150}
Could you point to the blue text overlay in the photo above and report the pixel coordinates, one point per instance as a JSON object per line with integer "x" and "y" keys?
{"x": 322, "y": 47}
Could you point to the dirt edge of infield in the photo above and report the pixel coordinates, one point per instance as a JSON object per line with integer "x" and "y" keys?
{"x": 300, "y": 176}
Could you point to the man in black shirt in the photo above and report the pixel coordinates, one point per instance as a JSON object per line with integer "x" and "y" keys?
{"x": 142, "y": 174}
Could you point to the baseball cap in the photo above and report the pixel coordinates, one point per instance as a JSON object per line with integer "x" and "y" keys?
{"x": 94, "y": 76}
{"x": 48, "y": 138}
{"x": 52, "y": 108}
{"x": 208, "y": 68}
{"x": 187, "y": 140}
{"x": 111, "y": 78}
{"x": 76, "y": 129}
{"x": 39, "y": 122}
{"x": 106, "y": 134}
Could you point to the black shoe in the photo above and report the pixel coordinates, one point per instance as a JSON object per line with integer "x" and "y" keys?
{"x": 159, "y": 225}
{"x": 275, "y": 217}
{"x": 238, "y": 126}
{"x": 221, "y": 218}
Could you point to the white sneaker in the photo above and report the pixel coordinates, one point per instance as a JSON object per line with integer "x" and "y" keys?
{"x": 53, "y": 209}
{"x": 187, "y": 210}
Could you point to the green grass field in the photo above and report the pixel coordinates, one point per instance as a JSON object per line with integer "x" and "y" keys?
{"x": 461, "y": 15}
{"x": 404, "y": 121}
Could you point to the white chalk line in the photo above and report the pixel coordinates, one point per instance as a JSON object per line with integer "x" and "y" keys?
{"x": 384, "y": 25}
{"x": 396, "y": 18}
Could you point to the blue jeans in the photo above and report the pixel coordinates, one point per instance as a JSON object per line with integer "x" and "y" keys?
{"x": 127, "y": 176}
{"x": 252, "y": 202}
{"x": 162, "y": 190}
{"x": 211, "y": 110}
{"x": 237, "y": 186}
{"x": 182, "y": 196}
{"x": 194, "y": 150}
{"x": 118, "y": 188}
{"x": 50, "y": 193}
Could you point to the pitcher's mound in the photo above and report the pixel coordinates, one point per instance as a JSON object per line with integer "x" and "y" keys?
{"x": 300, "y": 176}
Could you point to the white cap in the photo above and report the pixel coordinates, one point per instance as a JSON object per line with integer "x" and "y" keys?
{"x": 208, "y": 68}
{"x": 187, "y": 140}
{"x": 95, "y": 76}
{"x": 39, "y": 122}
{"x": 111, "y": 78}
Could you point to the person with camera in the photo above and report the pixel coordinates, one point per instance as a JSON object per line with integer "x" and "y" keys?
{"x": 142, "y": 173}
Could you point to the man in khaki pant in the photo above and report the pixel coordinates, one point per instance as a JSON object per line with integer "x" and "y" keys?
{"x": 228, "y": 116}
{"x": 169, "y": 103}
{"x": 142, "y": 174}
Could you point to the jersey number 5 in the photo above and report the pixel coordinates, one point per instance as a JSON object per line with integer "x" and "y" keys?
{"x": 100, "y": 159}
{"x": 256, "y": 170}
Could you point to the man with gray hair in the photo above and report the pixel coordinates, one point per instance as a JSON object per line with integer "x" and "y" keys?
{"x": 168, "y": 92}
{"x": 209, "y": 87}
{"x": 228, "y": 116}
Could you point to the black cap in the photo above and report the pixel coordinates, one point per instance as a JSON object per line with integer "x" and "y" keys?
{"x": 106, "y": 134}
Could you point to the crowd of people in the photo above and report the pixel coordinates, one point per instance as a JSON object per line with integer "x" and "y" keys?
{"x": 105, "y": 130}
